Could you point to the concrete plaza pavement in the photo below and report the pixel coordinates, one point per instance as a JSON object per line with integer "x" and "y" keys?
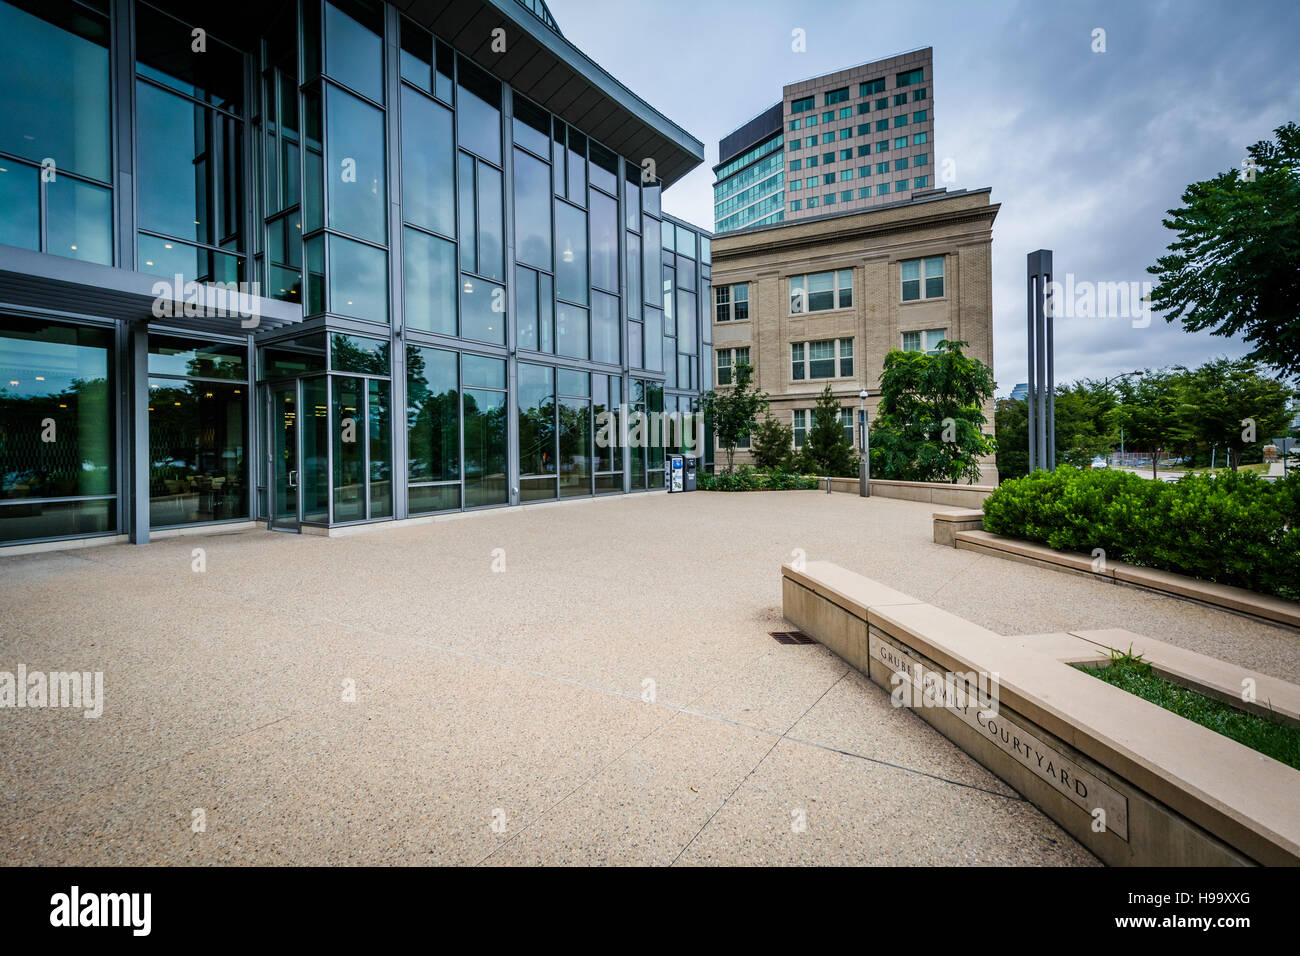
{"x": 499, "y": 714}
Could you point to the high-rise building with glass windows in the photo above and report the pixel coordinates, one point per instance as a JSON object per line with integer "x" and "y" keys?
{"x": 838, "y": 143}
{"x": 314, "y": 264}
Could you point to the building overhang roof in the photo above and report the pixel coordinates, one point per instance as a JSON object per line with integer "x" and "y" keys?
{"x": 57, "y": 286}
{"x": 544, "y": 66}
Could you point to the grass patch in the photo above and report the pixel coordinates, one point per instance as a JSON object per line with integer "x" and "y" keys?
{"x": 1273, "y": 738}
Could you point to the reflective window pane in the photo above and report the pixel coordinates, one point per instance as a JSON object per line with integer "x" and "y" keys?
{"x": 570, "y": 252}
{"x": 197, "y": 451}
{"x": 354, "y": 161}
{"x": 358, "y": 280}
{"x": 432, "y": 422}
{"x": 358, "y": 353}
{"x": 55, "y": 380}
{"x": 536, "y": 432}
{"x": 427, "y": 157}
{"x": 571, "y": 330}
{"x": 379, "y": 427}
{"x": 482, "y": 310}
{"x": 605, "y": 344}
{"x": 429, "y": 275}
{"x": 478, "y": 112}
{"x": 354, "y": 52}
{"x": 532, "y": 210}
{"x": 348, "y": 426}
{"x": 80, "y": 221}
{"x": 54, "y": 73}
{"x": 485, "y": 443}
{"x": 20, "y": 218}
{"x": 604, "y": 242}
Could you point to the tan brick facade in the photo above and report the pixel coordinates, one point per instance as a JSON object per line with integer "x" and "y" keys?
{"x": 873, "y": 244}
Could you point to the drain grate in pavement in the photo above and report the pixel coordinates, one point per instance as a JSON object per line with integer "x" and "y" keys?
{"x": 791, "y": 637}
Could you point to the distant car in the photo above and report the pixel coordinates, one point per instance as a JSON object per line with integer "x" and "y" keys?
{"x": 1099, "y": 462}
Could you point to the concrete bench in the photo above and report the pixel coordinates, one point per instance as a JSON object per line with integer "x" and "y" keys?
{"x": 1165, "y": 791}
{"x": 948, "y": 523}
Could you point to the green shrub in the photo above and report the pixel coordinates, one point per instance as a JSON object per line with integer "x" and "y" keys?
{"x": 746, "y": 479}
{"x": 1230, "y": 528}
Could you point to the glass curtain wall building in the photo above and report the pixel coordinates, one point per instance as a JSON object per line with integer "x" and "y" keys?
{"x": 315, "y": 263}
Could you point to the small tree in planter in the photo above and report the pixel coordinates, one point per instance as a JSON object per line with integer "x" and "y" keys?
{"x": 827, "y": 450}
{"x": 735, "y": 411}
{"x": 773, "y": 445}
{"x": 929, "y": 427}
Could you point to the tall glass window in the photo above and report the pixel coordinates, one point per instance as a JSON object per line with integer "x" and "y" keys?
{"x": 485, "y": 431}
{"x": 189, "y": 152}
{"x": 573, "y": 411}
{"x": 537, "y": 451}
{"x": 478, "y": 112}
{"x": 54, "y": 71}
{"x": 532, "y": 210}
{"x": 432, "y": 430}
{"x": 56, "y": 430}
{"x": 354, "y": 159}
{"x": 570, "y": 253}
{"x": 198, "y": 448}
{"x": 354, "y": 50}
{"x": 428, "y": 171}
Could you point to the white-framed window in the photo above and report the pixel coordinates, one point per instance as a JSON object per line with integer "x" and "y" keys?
{"x": 922, "y": 278}
{"x": 732, "y": 302}
{"x": 821, "y": 291}
{"x": 926, "y": 341}
{"x": 803, "y": 419}
{"x": 825, "y": 358}
{"x": 729, "y": 358}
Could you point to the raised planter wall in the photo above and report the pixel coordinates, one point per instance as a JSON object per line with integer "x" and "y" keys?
{"x": 1134, "y": 783}
{"x": 931, "y": 492}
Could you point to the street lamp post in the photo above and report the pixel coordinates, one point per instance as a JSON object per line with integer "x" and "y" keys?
{"x": 864, "y": 446}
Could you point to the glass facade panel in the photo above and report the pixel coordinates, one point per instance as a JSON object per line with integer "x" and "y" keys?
{"x": 605, "y": 343}
{"x": 358, "y": 280}
{"x": 571, "y": 330}
{"x": 604, "y": 242}
{"x": 532, "y": 210}
{"x": 354, "y": 159}
{"x": 354, "y": 52}
{"x": 482, "y": 310}
{"x": 197, "y": 451}
{"x": 428, "y": 154}
{"x": 80, "y": 222}
{"x": 56, "y": 429}
{"x": 429, "y": 276}
{"x": 536, "y": 432}
{"x": 20, "y": 205}
{"x": 54, "y": 71}
{"x": 571, "y": 253}
{"x": 432, "y": 429}
{"x": 575, "y": 446}
{"x": 478, "y": 112}
{"x": 348, "y": 426}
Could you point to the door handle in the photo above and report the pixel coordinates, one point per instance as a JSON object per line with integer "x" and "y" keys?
{"x": 293, "y": 479}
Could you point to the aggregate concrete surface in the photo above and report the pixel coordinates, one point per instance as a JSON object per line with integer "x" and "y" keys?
{"x": 499, "y": 715}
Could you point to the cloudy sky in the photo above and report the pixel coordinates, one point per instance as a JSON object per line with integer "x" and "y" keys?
{"x": 1084, "y": 151}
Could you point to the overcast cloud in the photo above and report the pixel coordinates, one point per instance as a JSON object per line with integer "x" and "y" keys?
{"x": 1084, "y": 151}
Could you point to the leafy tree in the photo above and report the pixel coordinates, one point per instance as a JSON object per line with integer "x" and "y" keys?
{"x": 826, "y": 449}
{"x": 772, "y": 445}
{"x": 1083, "y": 430}
{"x": 931, "y": 416}
{"x": 1220, "y": 399}
{"x": 1235, "y": 267}
{"x": 1149, "y": 413}
{"x": 1011, "y": 427}
{"x": 734, "y": 412}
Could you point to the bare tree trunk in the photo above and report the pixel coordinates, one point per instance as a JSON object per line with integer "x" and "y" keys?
{"x": 1155, "y": 464}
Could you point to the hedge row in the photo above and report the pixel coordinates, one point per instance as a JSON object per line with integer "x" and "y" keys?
{"x": 748, "y": 480}
{"x": 1230, "y": 528}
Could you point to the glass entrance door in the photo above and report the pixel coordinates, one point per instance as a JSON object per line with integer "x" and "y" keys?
{"x": 284, "y": 465}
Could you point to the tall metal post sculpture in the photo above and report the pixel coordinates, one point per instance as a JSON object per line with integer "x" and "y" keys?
{"x": 1042, "y": 362}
